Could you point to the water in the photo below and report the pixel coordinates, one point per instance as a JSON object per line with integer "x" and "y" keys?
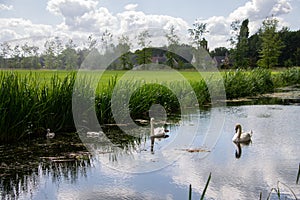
{"x": 271, "y": 160}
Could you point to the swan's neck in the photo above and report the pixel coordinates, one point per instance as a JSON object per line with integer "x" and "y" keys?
{"x": 239, "y": 131}
{"x": 152, "y": 128}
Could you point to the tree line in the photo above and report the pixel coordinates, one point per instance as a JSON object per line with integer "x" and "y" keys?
{"x": 268, "y": 47}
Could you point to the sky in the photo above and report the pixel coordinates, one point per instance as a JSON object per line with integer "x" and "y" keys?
{"x": 76, "y": 19}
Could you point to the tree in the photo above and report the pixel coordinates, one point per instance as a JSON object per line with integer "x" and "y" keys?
{"x": 144, "y": 54}
{"x": 241, "y": 51}
{"x": 173, "y": 44}
{"x": 291, "y": 39}
{"x": 30, "y": 57}
{"x": 254, "y": 45}
{"x": 297, "y": 57}
{"x": 219, "y": 51}
{"x": 52, "y": 54}
{"x": 196, "y": 34}
{"x": 5, "y": 53}
{"x": 16, "y": 56}
{"x": 70, "y": 56}
{"x": 271, "y": 44}
{"x": 107, "y": 41}
{"x": 124, "y": 48}
{"x": 235, "y": 27}
{"x": 49, "y": 55}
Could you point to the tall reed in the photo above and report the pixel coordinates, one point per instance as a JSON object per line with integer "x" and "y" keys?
{"x": 29, "y": 105}
{"x": 241, "y": 83}
{"x": 287, "y": 77}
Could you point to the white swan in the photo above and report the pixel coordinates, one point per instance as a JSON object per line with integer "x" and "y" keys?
{"x": 93, "y": 134}
{"x": 49, "y": 135}
{"x": 156, "y": 133}
{"x": 159, "y": 132}
{"x": 239, "y": 136}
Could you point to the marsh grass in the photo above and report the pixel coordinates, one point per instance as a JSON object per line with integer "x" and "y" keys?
{"x": 28, "y": 107}
{"x": 288, "y": 77}
{"x": 241, "y": 83}
{"x": 278, "y": 192}
{"x": 298, "y": 176}
{"x": 204, "y": 190}
{"x": 32, "y": 102}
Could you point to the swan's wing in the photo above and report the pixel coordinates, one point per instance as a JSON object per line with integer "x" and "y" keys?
{"x": 245, "y": 137}
{"x": 159, "y": 131}
{"x": 248, "y": 134}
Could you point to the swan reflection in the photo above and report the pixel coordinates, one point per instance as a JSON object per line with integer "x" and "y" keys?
{"x": 238, "y": 151}
{"x": 156, "y": 133}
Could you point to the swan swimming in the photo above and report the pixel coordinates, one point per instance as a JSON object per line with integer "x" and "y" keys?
{"x": 93, "y": 133}
{"x": 159, "y": 132}
{"x": 240, "y": 136}
{"x": 49, "y": 135}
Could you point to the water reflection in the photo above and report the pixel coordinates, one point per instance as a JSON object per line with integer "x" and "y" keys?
{"x": 238, "y": 151}
{"x": 271, "y": 157}
{"x": 156, "y": 137}
{"x": 239, "y": 171}
{"x": 22, "y": 165}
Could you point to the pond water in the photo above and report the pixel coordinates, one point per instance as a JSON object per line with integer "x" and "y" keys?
{"x": 271, "y": 160}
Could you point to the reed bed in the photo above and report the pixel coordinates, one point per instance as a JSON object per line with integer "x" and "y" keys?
{"x": 29, "y": 105}
{"x": 241, "y": 83}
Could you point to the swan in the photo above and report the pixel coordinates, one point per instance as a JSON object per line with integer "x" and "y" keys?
{"x": 159, "y": 132}
{"x": 49, "y": 135}
{"x": 240, "y": 136}
{"x": 93, "y": 134}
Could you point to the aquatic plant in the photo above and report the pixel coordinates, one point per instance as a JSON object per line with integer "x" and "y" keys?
{"x": 204, "y": 190}
{"x": 206, "y": 186}
{"x": 287, "y": 77}
{"x": 29, "y": 104}
{"x": 277, "y": 191}
{"x": 298, "y": 176}
{"x": 28, "y": 107}
{"x": 242, "y": 83}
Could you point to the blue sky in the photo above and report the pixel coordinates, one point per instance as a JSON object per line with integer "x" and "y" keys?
{"x": 80, "y": 18}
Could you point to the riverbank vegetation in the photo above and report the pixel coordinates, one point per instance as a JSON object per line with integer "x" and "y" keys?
{"x": 32, "y": 102}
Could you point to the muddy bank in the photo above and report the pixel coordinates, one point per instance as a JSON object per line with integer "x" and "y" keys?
{"x": 285, "y": 96}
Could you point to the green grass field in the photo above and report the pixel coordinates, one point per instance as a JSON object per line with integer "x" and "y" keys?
{"x": 151, "y": 76}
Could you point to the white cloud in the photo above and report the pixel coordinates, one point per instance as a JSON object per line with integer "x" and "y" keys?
{"x": 5, "y": 7}
{"x": 71, "y": 8}
{"x": 16, "y": 28}
{"x": 7, "y": 34}
{"x": 95, "y": 21}
{"x": 282, "y": 7}
{"x": 82, "y": 15}
{"x": 255, "y": 10}
{"x": 132, "y": 20}
{"x": 86, "y": 17}
{"x": 131, "y": 7}
{"x": 260, "y": 9}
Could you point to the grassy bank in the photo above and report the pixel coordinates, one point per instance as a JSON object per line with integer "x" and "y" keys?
{"x": 32, "y": 102}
